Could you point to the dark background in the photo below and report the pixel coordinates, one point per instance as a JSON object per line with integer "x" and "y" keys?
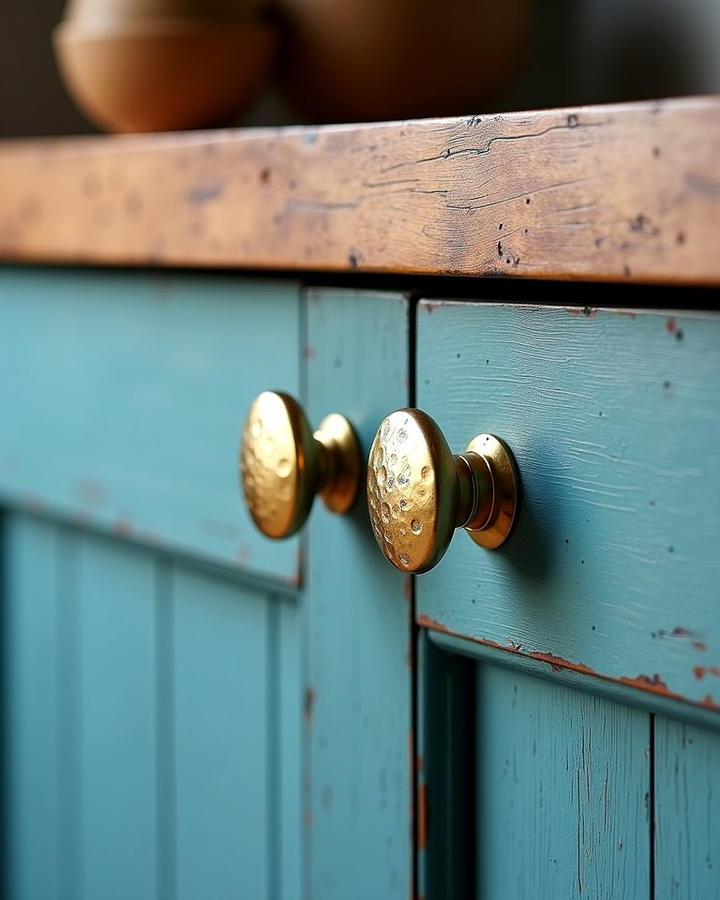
{"x": 583, "y": 51}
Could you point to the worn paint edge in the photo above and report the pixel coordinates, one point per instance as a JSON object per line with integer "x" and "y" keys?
{"x": 639, "y": 690}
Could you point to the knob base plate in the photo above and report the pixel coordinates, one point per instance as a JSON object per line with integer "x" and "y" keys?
{"x": 506, "y": 491}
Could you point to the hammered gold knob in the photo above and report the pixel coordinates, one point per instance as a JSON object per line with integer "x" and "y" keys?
{"x": 419, "y": 493}
{"x": 283, "y": 464}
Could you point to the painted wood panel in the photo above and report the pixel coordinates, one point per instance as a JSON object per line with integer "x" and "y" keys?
{"x": 613, "y": 569}
{"x": 358, "y": 717}
{"x": 30, "y": 556}
{"x": 687, "y": 810}
{"x": 563, "y": 787}
{"x": 221, "y": 696}
{"x": 113, "y": 707}
{"x": 135, "y": 387}
{"x": 154, "y": 736}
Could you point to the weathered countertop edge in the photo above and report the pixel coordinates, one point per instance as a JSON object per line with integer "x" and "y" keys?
{"x": 627, "y": 192}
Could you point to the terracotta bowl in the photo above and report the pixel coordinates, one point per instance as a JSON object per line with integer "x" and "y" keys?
{"x": 164, "y": 74}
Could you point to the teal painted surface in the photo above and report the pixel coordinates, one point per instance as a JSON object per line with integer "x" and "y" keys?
{"x": 154, "y": 724}
{"x": 562, "y": 785}
{"x": 612, "y": 418}
{"x": 220, "y": 739}
{"x": 621, "y": 693}
{"x": 358, "y": 669}
{"x": 285, "y": 742}
{"x": 114, "y": 709}
{"x": 31, "y": 726}
{"x": 135, "y": 387}
{"x": 687, "y": 809}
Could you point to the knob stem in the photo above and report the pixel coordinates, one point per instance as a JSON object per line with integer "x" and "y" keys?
{"x": 339, "y": 463}
{"x": 475, "y": 489}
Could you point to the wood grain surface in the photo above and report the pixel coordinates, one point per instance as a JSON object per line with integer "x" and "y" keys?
{"x": 687, "y": 811}
{"x": 625, "y": 192}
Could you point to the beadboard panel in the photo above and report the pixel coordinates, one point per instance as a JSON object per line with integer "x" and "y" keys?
{"x": 107, "y": 654}
{"x": 563, "y": 782}
{"x": 123, "y": 395}
{"x": 154, "y": 711}
{"x": 687, "y": 809}
{"x": 613, "y": 569}
{"x": 31, "y": 705}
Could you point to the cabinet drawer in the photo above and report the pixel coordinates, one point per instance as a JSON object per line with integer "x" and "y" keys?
{"x": 614, "y": 419}
{"x": 122, "y": 397}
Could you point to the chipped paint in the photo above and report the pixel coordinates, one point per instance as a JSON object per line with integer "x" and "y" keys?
{"x": 701, "y": 671}
{"x": 422, "y": 817}
{"x": 122, "y": 528}
{"x": 681, "y": 632}
{"x": 650, "y": 683}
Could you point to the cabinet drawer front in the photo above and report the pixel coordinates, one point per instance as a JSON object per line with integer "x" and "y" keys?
{"x": 122, "y": 399}
{"x": 614, "y": 419}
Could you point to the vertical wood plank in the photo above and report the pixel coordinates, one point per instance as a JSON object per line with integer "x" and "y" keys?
{"x": 563, "y": 784}
{"x": 165, "y": 729}
{"x": 69, "y": 720}
{"x": 358, "y": 688}
{"x": 30, "y": 669}
{"x": 116, "y": 593}
{"x": 221, "y": 727}
{"x": 288, "y": 773}
{"x": 687, "y": 809}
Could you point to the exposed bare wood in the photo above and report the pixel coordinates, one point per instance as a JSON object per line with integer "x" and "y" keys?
{"x": 629, "y": 192}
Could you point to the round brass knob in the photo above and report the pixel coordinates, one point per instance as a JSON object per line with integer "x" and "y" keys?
{"x": 283, "y": 464}
{"x": 419, "y": 493}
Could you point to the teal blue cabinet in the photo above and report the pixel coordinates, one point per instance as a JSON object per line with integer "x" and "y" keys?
{"x": 193, "y": 711}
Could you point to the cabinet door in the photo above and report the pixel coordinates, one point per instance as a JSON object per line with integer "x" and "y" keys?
{"x": 568, "y": 698}
{"x": 191, "y": 710}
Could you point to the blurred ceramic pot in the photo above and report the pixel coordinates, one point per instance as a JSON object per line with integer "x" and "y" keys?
{"x": 161, "y": 65}
{"x": 361, "y": 60}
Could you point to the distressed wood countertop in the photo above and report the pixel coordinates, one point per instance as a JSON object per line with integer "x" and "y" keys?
{"x": 615, "y": 193}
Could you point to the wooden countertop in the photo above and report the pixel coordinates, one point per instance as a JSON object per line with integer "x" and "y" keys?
{"x": 621, "y": 193}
